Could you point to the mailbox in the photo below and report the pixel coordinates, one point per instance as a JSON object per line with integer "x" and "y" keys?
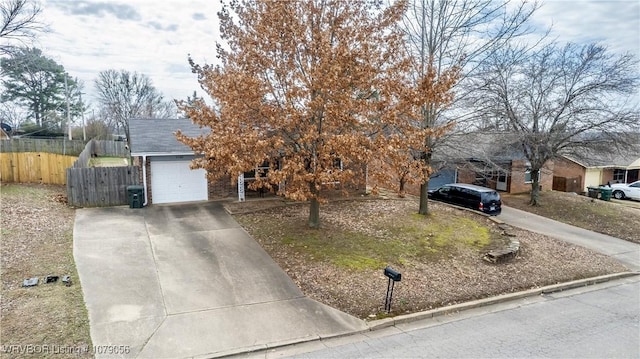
{"x": 393, "y": 274}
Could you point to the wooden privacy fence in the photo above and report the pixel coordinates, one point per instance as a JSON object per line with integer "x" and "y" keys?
{"x": 97, "y": 148}
{"x": 56, "y": 145}
{"x": 34, "y": 167}
{"x": 565, "y": 184}
{"x": 100, "y": 186}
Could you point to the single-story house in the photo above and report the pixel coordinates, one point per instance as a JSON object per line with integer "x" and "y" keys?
{"x": 165, "y": 162}
{"x": 490, "y": 159}
{"x": 595, "y": 168}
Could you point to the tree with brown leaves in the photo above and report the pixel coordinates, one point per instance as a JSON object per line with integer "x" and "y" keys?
{"x": 312, "y": 88}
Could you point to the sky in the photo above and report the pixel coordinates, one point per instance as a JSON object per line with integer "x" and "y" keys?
{"x": 155, "y": 37}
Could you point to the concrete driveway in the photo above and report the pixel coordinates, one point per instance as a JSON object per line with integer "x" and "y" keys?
{"x": 628, "y": 253}
{"x": 172, "y": 281}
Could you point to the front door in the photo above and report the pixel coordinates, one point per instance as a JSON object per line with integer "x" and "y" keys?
{"x": 501, "y": 182}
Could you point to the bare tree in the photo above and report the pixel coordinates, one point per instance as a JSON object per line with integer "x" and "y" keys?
{"x": 124, "y": 95}
{"x": 444, "y": 35}
{"x": 12, "y": 114}
{"x": 560, "y": 99}
{"x": 19, "y": 23}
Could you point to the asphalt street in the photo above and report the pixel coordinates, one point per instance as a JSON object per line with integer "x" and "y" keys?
{"x": 600, "y": 321}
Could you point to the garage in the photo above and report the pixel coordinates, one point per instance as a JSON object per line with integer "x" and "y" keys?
{"x": 442, "y": 177}
{"x": 173, "y": 181}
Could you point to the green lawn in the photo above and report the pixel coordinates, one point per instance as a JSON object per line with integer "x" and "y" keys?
{"x": 108, "y": 162}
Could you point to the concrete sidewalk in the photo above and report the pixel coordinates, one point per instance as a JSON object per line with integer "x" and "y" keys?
{"x": 187, "y": 281}
{"x": 626, "y": 252}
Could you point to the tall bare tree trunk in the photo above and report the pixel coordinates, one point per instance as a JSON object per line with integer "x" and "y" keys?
{"x": 535, "y": 188}
{"x": 424, "y": 186}
{"x": 314, "y": 208}
{"x": 424, "y": 200}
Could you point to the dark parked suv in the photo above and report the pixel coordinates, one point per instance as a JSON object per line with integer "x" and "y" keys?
{"x": 483, "y": 199}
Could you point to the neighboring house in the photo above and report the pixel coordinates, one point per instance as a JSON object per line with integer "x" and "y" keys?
{"x": 165, "y": 162}
{"x": 490, "y": 159}
{"x": 595, "y": 168}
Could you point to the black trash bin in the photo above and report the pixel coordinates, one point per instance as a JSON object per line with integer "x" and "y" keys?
{"x": 593, "y": 192}
{"x": 135, "y": 194}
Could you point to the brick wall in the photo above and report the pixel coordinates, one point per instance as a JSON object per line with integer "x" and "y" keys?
{"x": 223, "y": 187}
{"x": 466, "y": 175}
{"x": 566, "y": 168}
{"x": 518, "y": 185}
{"x": 137, "y": 161}
{"x": 607, "y": 175}
{"x": 149, "y": 192}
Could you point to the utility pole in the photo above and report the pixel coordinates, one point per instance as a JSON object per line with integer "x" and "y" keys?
{"x": 66, "y": 95}
{"x": 84, "y": 128}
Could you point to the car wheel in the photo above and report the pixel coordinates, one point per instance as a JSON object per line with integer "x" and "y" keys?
{"x": 618, "y": 195}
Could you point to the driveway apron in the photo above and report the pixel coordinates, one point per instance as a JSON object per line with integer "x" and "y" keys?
{"x": 172, "y": 281}
{"x": 628, "y": 253}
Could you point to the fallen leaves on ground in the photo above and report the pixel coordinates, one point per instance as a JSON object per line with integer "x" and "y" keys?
{"x": 426, "y": 284}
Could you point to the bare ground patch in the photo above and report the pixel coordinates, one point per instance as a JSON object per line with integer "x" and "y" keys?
{"x": 36, "y": 241}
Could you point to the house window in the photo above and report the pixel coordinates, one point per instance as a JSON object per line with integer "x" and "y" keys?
{"x": 527, "y": 175}
{"x": 618, "y": 175}
{"x": 335, "y": 165}
{"x": 260, "y": 170}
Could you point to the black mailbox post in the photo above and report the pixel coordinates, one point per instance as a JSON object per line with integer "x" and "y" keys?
{"x": 394, "y": 276}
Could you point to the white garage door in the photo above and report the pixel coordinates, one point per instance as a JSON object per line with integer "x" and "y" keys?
{"x": 174, "y": 181}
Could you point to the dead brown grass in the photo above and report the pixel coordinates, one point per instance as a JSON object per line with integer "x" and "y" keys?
{"x": 611, "y": 218}
{"x": 36, "y": 241}
{"x": 439, "y": 256}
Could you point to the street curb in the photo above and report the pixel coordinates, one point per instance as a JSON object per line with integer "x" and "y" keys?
{"x": 401, "y": 319}
{"x": 451, "y": 309}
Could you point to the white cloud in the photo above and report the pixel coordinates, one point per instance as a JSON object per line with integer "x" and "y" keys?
{"x": 615, "y": 24}
{"x": 155, "y": 37}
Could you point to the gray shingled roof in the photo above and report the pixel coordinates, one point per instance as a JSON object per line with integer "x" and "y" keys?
{"x": 616, "y": 158}
{"x": 157, "y": 136}
{"x": 482, "y": 146}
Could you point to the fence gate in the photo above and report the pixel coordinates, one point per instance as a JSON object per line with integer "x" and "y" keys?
{"x": 567, "y": 184}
